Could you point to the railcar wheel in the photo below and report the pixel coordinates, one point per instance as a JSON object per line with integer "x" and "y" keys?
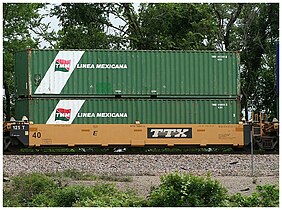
{"x": 6, "y": 142}
{"x": 267, "y": 142}
{"x": 11, "y": 144}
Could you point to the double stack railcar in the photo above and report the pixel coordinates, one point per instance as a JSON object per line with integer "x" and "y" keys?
{"x": 127, "y": 98}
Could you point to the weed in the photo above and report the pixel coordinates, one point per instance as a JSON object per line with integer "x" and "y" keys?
{"x": 73, "y": 174}
{"x": 116, "y": 178}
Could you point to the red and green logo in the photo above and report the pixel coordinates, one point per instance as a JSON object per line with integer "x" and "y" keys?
{"x": 62, "y": 65}
{"x": 63, "y": 114}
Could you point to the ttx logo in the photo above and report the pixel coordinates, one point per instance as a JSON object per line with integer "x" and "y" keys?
{"x": 169, "y": 132}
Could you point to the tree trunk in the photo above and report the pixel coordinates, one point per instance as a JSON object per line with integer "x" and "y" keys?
{"x": 8, "y": 102}
{"x": 246, "y": 112}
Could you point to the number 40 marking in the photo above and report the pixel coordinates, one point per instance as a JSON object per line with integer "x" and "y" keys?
{"x": 36, "y": 135}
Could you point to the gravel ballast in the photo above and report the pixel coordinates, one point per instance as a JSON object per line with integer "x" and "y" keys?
{"x": 141, "y": 165}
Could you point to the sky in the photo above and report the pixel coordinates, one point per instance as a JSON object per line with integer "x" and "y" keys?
{"x": 54, "y": 24}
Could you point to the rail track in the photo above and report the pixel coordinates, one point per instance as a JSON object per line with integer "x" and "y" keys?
{"x": 136, "y": 151}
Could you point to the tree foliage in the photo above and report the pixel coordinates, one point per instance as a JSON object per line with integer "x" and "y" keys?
{"x": 259, "y": 34}
{"x": 18, "y": 20}
{"x": 171, "y": 27}
{"x": 83, "y": 26}
{"x": 226, "y": 16}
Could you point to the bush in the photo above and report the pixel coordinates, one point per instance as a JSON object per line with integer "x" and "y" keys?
{"x": 178, "y": 190}
{"x": 107, "y": 195}
{"x": 68, "y": 196}
{"x": 25, "y": 188}
{"x": 119, "y": 200}
{"x": 175, "y": 190}
{"x": 38, "y": 190}
{"x": 265, "y": 196}
{"x": 104, "y": 195}
{"x": 9, "y": 200}
{"x": 43, "y": 200}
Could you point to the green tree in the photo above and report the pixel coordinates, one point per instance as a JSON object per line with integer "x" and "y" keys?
{"x": 18, "y": 21}
{"x": 227, "y": 16}
{"x": 171, "y": 26}
{"x": 84, "y": 25}
{"x": 259, "y": 34}
{"x": 251, "y": 29}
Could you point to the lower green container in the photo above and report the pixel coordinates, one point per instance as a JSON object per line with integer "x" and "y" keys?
{"x": 128, "y": 111}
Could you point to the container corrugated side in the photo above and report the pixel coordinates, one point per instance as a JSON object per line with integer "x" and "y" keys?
{"x": 128, "y": 111}
{"x": 22, "y": 74}
{"x": 89, "y": 73}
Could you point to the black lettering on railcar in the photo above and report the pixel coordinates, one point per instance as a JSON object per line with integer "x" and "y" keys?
{"x": 36, "y": 135}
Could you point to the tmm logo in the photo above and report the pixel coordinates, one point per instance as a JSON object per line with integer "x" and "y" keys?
{"x": 62, "y": 114}
{"x": 62, "y": 65}
{"x": 169, "y": 133}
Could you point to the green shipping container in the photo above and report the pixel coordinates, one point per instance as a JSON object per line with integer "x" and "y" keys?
{"x": 128, "y": 111}
{"x": 107, "y": 73}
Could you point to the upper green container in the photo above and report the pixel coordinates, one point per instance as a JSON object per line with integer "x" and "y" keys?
{"x": 91, "y": 73}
